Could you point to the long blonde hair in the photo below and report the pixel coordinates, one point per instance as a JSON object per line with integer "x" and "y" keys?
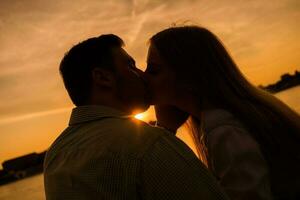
{"x": 200, "y": 59}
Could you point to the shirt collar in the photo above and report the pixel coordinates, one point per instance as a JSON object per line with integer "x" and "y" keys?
{"x": 88, "y": 113}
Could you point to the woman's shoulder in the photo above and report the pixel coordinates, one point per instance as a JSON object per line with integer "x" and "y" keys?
{"x": 235, "y": 157}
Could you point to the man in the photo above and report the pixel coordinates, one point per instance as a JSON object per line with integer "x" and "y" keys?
{"x": 105, "y": 153}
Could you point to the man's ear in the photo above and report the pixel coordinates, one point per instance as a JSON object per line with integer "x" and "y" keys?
{"x": 103, "y": 77}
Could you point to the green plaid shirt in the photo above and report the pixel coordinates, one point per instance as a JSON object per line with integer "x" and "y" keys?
{"x": 104, "y": 154}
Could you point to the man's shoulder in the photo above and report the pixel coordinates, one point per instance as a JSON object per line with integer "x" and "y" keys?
{"x": 132, "y": 136}
{"x": 126, "y": 137}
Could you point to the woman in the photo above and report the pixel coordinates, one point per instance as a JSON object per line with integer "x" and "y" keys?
{"x": 248, "y": 138}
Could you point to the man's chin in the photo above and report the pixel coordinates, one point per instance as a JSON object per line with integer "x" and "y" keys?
{"x": 140, "y": 109}
{"x": 153, "y": 102}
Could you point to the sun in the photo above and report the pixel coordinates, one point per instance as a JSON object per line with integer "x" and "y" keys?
{"x": 140, "y": 116}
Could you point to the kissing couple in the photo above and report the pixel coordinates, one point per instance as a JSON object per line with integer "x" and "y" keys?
{"x": 247, "y": 140}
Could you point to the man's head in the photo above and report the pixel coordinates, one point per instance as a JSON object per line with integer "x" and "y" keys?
{"x": 99, "y": 71}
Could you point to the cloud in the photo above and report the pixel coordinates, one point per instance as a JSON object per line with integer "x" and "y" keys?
{"x": 35, "y": 34}
{"x": 140, "y": 19}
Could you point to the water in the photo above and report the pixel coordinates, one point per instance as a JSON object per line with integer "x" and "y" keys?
{"x": 33, "y": 188}
{"x": 291, "y": 97}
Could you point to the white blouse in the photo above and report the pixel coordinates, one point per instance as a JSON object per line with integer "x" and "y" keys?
{"x": 235, "y": 158}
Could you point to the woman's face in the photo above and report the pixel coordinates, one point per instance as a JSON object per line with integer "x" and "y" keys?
{"x": 160, "y": 78}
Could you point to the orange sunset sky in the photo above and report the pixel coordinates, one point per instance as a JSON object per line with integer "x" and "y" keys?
{"x": 261, "y": 35}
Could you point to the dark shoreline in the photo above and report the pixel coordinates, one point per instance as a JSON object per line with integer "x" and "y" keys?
{"x": 286, "y": 81}
{"x": 22, "y": 167}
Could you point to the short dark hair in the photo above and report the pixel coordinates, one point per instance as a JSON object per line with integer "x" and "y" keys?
{"x": 77, "y": 64}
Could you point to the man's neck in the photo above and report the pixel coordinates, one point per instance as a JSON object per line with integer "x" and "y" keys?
{"x": 110, "y": 103}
